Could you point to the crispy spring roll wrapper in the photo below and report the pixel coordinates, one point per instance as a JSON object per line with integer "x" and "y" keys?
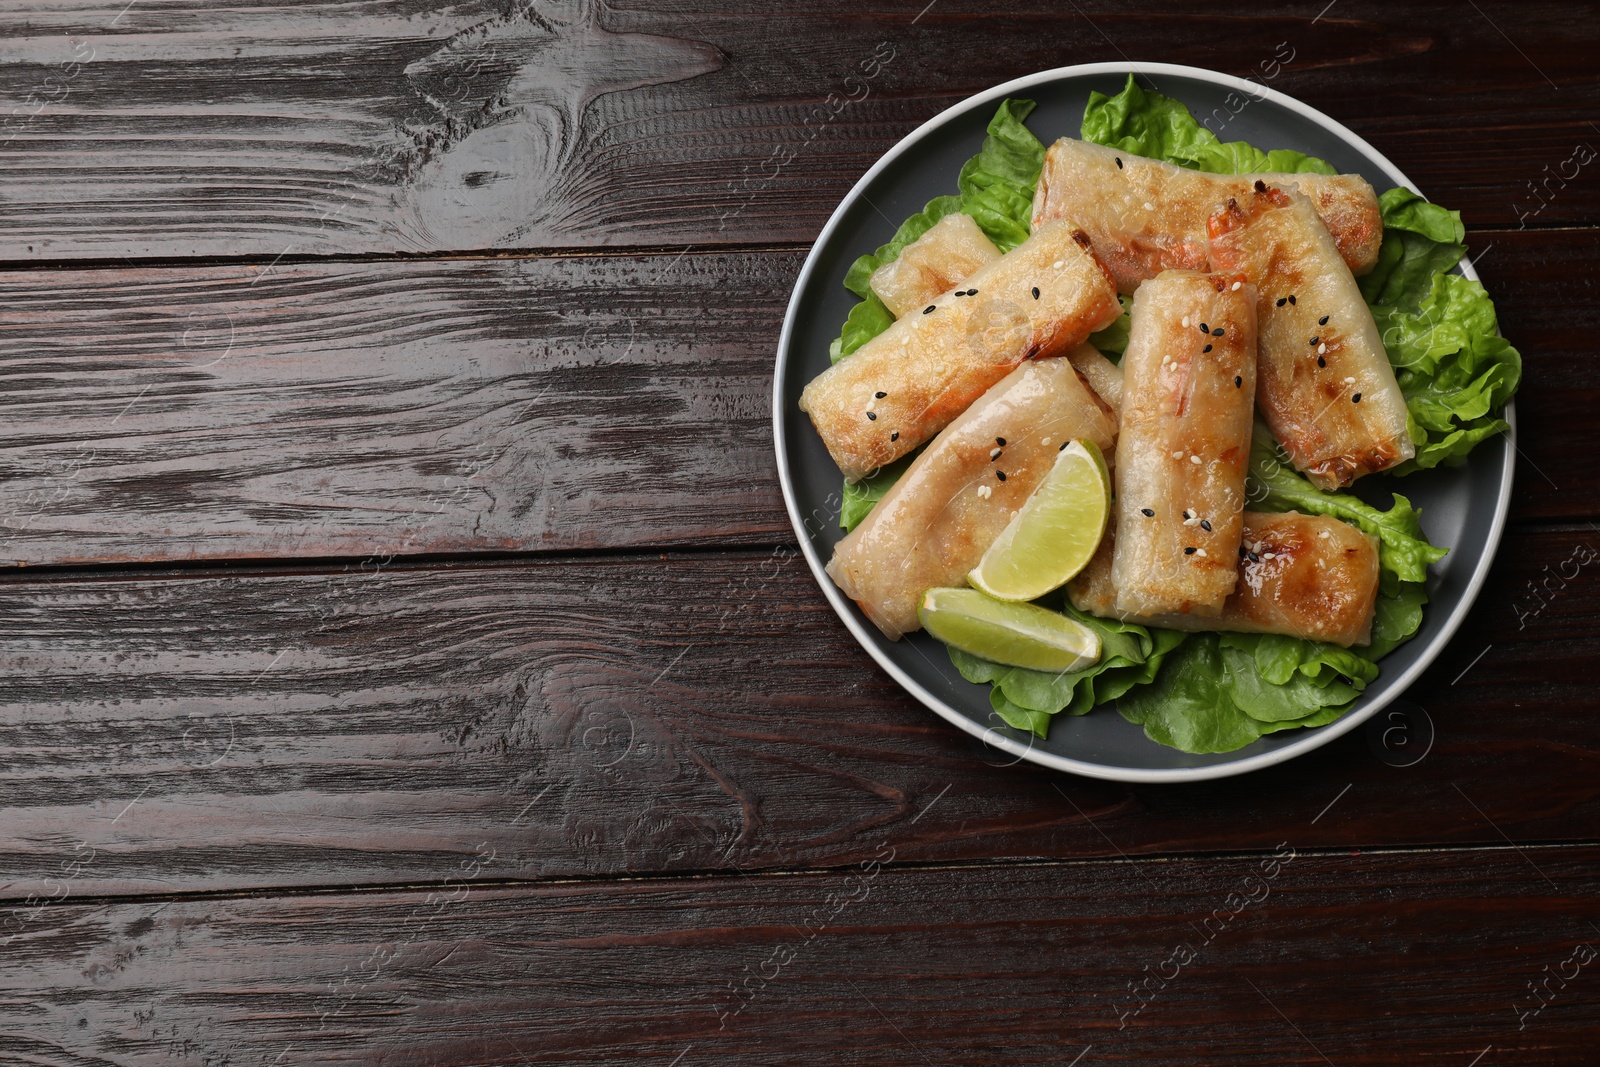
{"x": 1306, "y": 576}
{"x": 1188, "y": 407}
{"x": 934, "y": 525}
{"x": 1103, "y": 376}
{"x": 952, "y": 250}
{"x": 1323, "y": 380}
{"x": 912, "y": 380}
{"x": 1146, "y": 216}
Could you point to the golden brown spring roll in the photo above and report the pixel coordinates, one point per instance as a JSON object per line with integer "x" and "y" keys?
{"x": 1146, "y": 216}
{"x": 1103, "y": 376}
{"x": 1188, "y": 396}
{"x": 1323, "y": 380}
{"x": 934, "y": 525}
{"x": 905, "y": 385}
{"x": 952, "y": 250}
{"x": 1306, "y": 576}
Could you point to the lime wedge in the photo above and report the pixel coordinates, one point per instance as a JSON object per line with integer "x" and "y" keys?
{"x": 1021, "y": 635}
{"x": 1054, "y": 535}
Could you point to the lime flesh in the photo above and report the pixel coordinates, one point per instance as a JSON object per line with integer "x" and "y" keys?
{"x": 1020, "y": 635}
{"x": 1055, "y": 533}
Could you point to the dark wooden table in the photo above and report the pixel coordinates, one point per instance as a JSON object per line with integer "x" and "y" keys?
{"x": 406, "y": 659}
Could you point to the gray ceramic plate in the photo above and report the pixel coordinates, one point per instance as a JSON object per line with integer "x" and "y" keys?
{"x": 1463, "y": 509}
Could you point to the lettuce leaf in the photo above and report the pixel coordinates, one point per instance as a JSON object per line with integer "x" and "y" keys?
{"x": 1149, "y": 124}
{"x": 1027, "y": 699}
{"x": 1199, "y": 701}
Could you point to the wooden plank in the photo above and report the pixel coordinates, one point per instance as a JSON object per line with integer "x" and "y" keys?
{"x": 594, "y": 717}
{"x": 381, "y": 408}
{"x": 1286, "y": 957}
{"x": 275, "y": 128}
{"x": 369, "y": 409}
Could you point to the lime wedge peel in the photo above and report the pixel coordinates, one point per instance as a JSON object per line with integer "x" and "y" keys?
{"x": 1055, "y": 533}
{"x": 1019, "y": 635}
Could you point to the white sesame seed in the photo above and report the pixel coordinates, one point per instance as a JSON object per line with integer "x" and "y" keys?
{"x": 1149, "y": 206}
{"x": 1322, "y": 349}
{"x": 1349, "y": 381}
{"x": 1178, "y": 454}
{"x": 1194, "y": 459}
{"x": 1046, "y": 440}
{"x": 1057, "y": 265}
{"x": 984, "y": 491}
{"x": 1186, "y": 322}
{"x": 1200, "y": 552}
{"x": 994, "y": 453}
{"x": 1235, "y": 287}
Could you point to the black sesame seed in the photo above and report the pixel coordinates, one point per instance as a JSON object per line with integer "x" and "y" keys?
{"x": 1064, "y": 445}
{"x": 1185, "y": 513}
{"x": 1036, "y": 292}
{"x": 1322, "y": 361}
{"x": 958, "y": 292}
{"x": 880, "y": 396}
{"x": 1189, "y": 551}
{"x": 929, "y": 309}
{"x": 1254, "y": 558}
{"x": 895, "y": 436}
{"x": 872, "y": 416}
{"x": 1147, "y": 512}
{"x": 972, "y": 292}
{"x": 1217, "y": 332}
{"x": 1238, "y": 382}
{"x": 1001, "y": 441}
{"x": 1204, "y": 328}
{"x": 1356, "y": 399}
{"x": 1205, "y": 524}
{"x": 1282, "y": 300}
{"x": 1314, "y": 340}
{"x": 1291, "y": 298}
{"x": 1323, "y": 321}
{"x": 1001, "y": 475}
{"x": 1204, "y": 350}
{"x": 1119, "y": 162}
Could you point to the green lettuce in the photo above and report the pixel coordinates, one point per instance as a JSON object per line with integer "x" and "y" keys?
{"x": 1208, "y": 696}
{"x": 1026, "y": 699}
{"x": 1149, "y": 124}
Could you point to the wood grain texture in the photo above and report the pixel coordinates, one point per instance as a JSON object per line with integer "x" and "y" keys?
{"x": 375, "y": 409}
{"x": 1294, "y": 958}
{"x": 683, "y": 713}
{"x": 370, "y": 409}
{"x": 274, "y": 128}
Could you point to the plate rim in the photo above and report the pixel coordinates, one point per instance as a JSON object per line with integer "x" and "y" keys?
{"x": 846, "y": 610}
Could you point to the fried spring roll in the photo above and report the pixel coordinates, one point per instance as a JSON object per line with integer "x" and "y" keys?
{"x": 934, "y": 525}
{"x": 905, "y": 385}
{"x": 1103, "y": 376}
{"x": 950, "y": 252}
{"x": 1306, "y": 576}
{"x": 1146, "y": 216}
{"x": 1323, "y": 380}
{"x": 1188, "y": 397}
